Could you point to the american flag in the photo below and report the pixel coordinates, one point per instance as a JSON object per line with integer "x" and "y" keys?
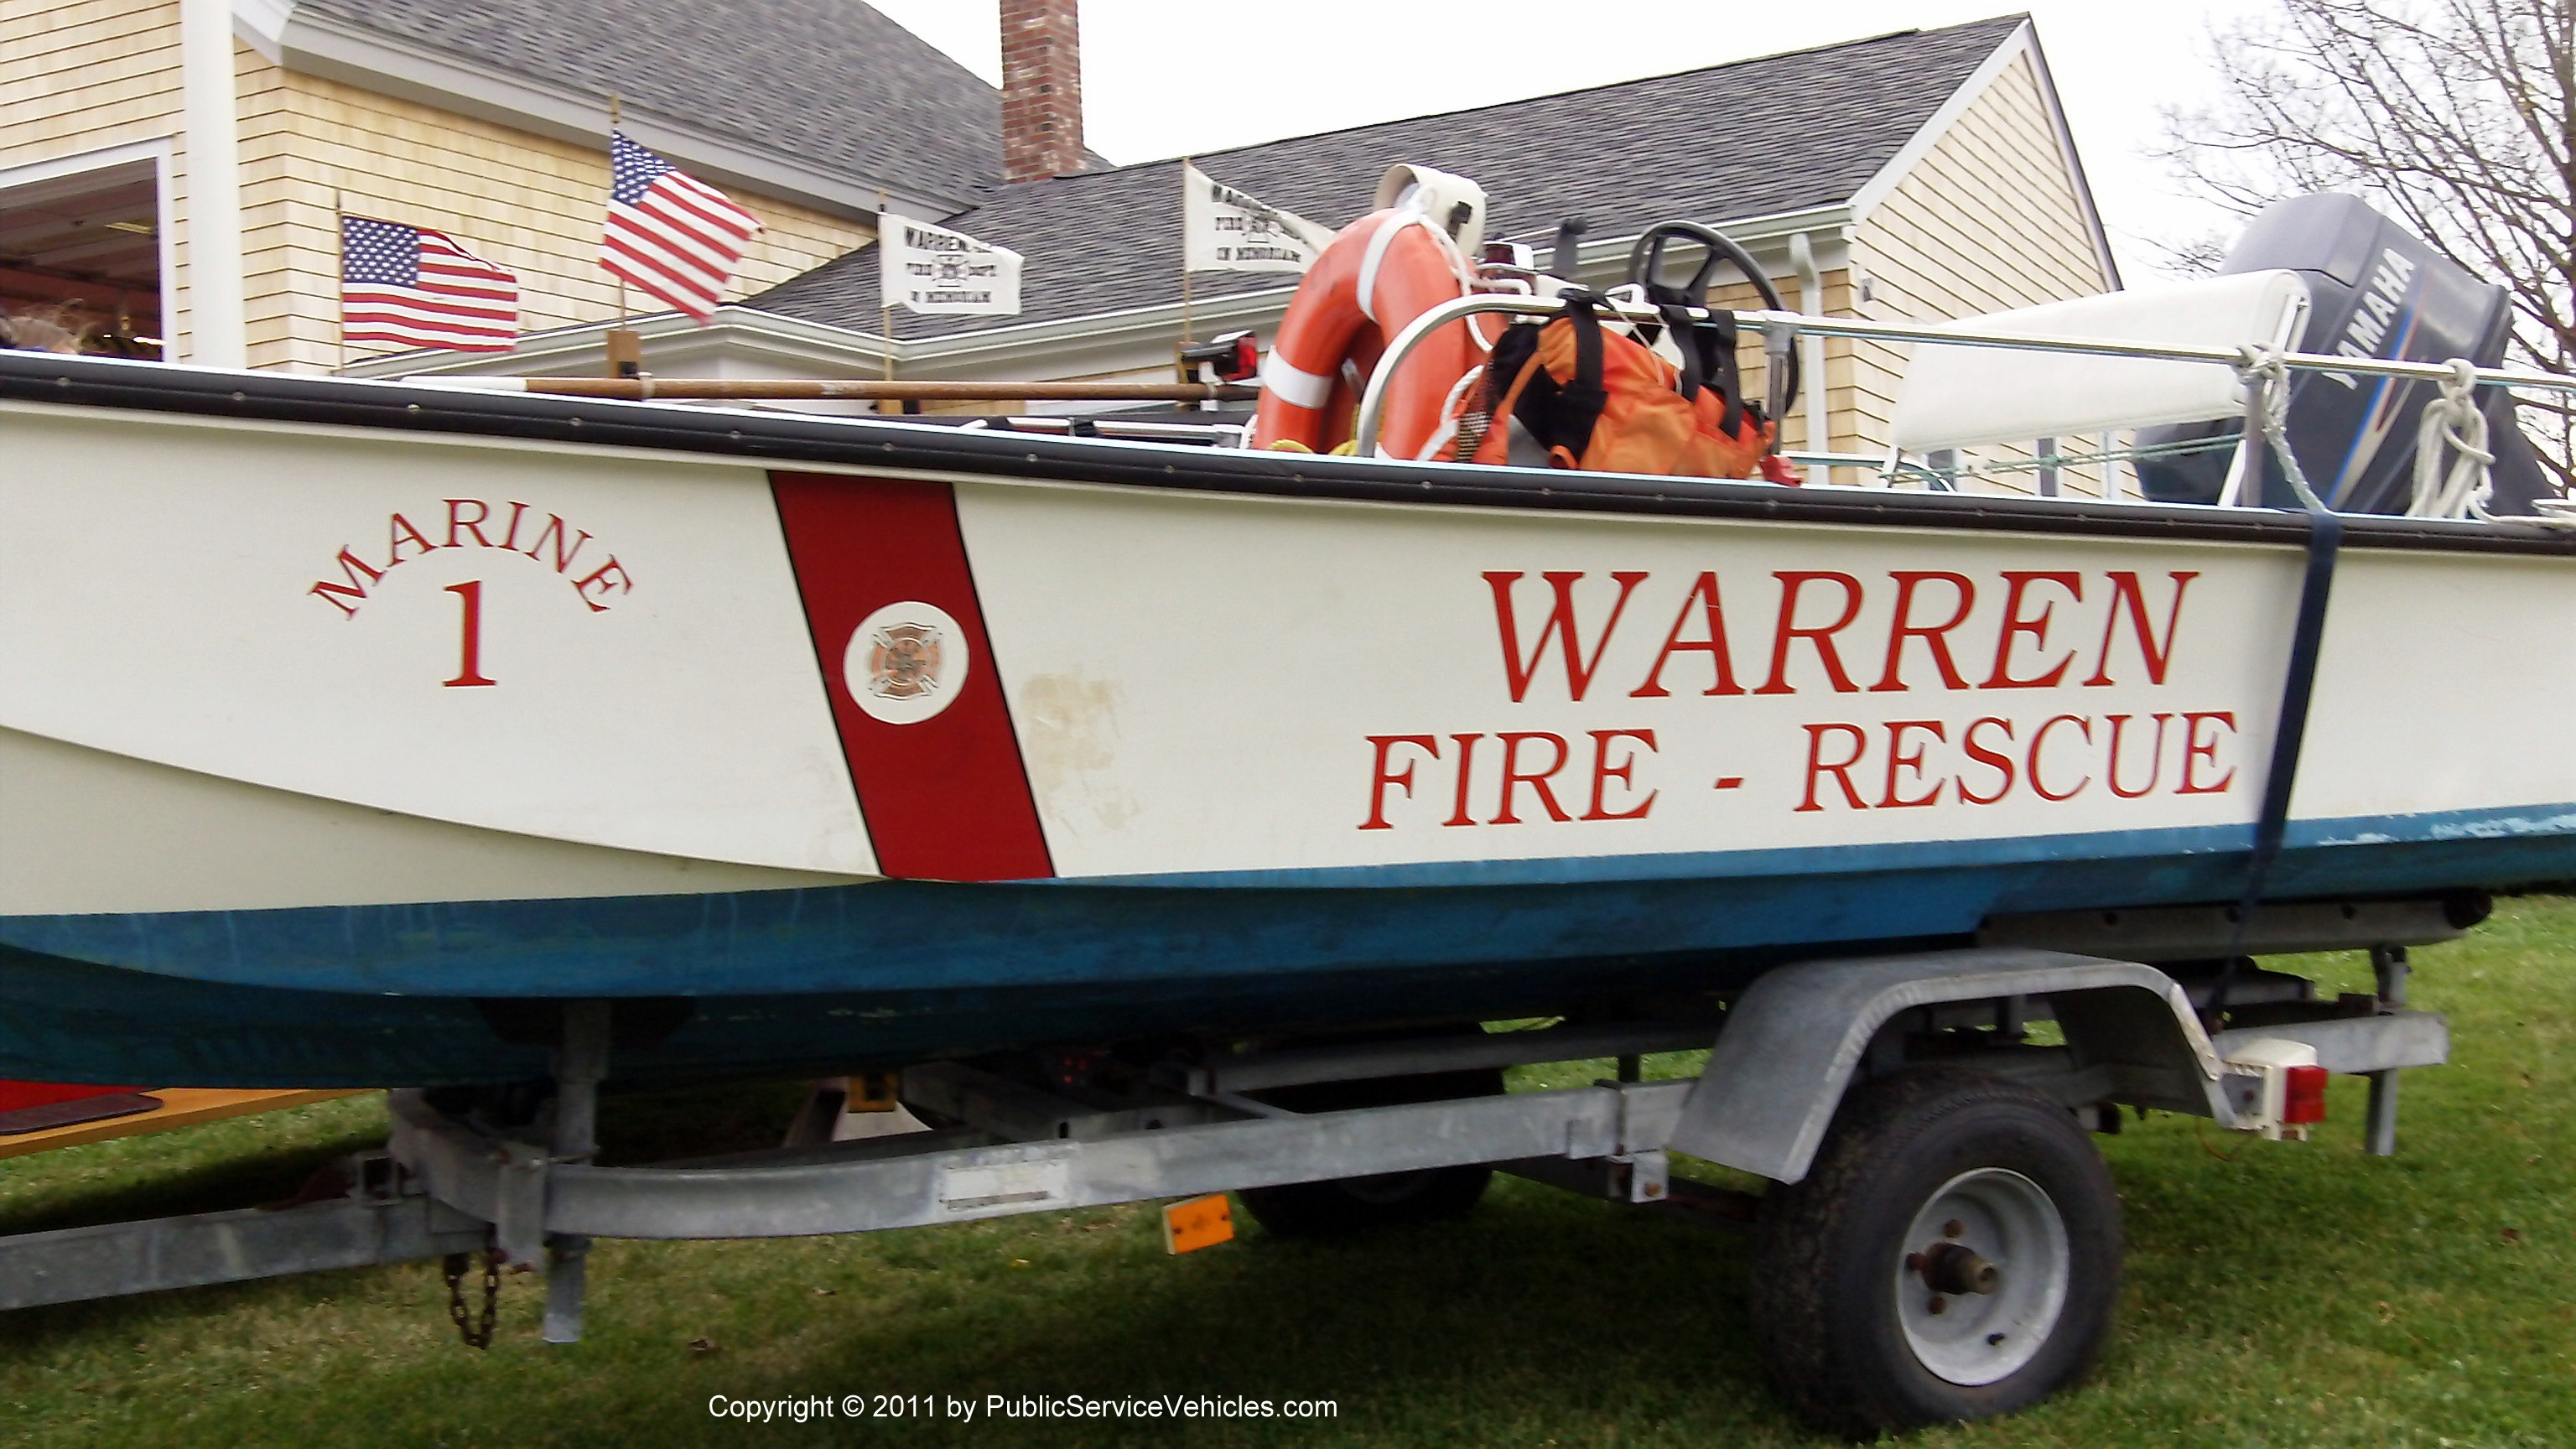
{"x": 411, "y": 285}
{"x": 670, "y": 233}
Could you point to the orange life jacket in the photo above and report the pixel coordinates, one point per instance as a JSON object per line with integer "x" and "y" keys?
{"x": 1604, "y": 403}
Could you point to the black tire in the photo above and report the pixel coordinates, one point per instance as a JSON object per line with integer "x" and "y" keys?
{"x": 1836, "y": 1297}
{"x": 1395, "y": 1199}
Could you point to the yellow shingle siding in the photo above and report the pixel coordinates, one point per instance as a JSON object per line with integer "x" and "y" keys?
{"x": 84, "y": 76}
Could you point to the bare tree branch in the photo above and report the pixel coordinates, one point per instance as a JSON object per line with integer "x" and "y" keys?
{"x": 2458, "y": 117}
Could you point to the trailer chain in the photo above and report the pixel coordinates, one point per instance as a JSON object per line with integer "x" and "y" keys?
{"x": 476, "y": 1334}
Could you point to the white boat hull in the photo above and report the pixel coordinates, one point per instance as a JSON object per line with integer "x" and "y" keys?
{"x": 1169, "y": 718}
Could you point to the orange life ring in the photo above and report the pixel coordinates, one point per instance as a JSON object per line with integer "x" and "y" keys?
{"x": 1379, "y": 273}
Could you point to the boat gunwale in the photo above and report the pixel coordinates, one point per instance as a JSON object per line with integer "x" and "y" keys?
{"x": 788, "y": 441}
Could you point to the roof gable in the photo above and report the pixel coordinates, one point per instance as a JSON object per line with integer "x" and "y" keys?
{"x": 831, "y": 83}
{"x": 1759, "y": 137}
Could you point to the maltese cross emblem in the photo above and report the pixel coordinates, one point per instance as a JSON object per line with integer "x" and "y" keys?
{"x": 903, "y": 661}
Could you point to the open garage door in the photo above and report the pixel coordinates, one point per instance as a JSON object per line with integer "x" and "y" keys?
{"x": 82, "y": 255}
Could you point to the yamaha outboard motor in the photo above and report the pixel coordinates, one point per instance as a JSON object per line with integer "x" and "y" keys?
{"x": 2375, "y": 291}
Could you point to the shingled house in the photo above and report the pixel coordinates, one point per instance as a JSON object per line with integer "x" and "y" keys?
{"x": 174, "y": 165}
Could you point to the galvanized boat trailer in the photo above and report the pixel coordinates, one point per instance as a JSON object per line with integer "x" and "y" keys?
{"x": 1941, "y": 1241}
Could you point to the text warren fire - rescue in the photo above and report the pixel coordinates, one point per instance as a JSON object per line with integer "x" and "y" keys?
{"x": 2049, "y": 629}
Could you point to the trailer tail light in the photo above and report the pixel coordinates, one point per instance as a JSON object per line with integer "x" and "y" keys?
{"x": 2283, "y": 1087}
{"x": 2303, "y": 1098}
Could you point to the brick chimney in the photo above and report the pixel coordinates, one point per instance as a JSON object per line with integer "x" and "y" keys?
{"x": 1041, "y": 89}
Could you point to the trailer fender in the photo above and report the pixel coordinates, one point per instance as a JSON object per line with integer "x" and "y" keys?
{"x": 1793, "y": 1041}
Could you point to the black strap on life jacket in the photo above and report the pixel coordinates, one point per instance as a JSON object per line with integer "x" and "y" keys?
{"x": 1581, "y": 401}
{"x": 1560, "y": 415}
{"x": 1708, "y": 353}
{"x": 1707, "y": 348}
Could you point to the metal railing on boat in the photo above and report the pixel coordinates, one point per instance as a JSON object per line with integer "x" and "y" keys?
{"x": 2264, "y": 369}
{"x": 1781, "y": 329}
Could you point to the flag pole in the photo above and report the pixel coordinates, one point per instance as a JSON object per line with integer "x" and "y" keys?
{"x": 340, "y": 238}
{"x": 616, "y": 115}
{"x": 885, "y": 305}
{"x": 625, "y": 349}
{"x": 1185, "y": 259}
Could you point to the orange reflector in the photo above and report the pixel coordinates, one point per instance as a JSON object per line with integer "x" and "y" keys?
{"x": 873, "y": 1092}
{"x": 2303, "y": 1096}
{"x": 1201, "y": 1222}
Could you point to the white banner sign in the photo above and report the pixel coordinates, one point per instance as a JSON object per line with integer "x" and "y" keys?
{"x": 932, "y": 269}
{"x": 1228, "y": 231}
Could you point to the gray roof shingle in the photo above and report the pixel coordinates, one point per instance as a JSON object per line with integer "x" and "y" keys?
{"x": 1750, "y": 138}
{"x": 829, "y": 82}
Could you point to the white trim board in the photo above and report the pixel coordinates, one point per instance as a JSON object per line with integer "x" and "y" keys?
{"x": 217, "y": 308}
{"x": 732, "y": 330}
{"x": 80, "y": 168}
{"x": 2074, "y": 163}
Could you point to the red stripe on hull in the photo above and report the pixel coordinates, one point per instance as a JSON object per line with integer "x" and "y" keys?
{"x": 947, "y": 797}
{"x": 15, "y": 1096}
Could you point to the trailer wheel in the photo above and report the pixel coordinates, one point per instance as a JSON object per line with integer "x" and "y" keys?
{"x": 1954, "y": 1253}
{"x": 1392, "y": 1199}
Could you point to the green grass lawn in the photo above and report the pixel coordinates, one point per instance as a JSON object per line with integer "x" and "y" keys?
{"x": 2281, "y": 1296}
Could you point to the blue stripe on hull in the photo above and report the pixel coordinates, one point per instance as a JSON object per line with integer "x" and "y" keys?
{"x": 911, "y": 935}
{"x": 842, "y": 976}
{"x": 70, "y": 1021}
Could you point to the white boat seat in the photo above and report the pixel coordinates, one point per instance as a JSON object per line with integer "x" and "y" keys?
{"x": 1966, "y": 397}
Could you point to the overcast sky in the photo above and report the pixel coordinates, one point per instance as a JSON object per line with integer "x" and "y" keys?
{"x": 1171, "y": 77}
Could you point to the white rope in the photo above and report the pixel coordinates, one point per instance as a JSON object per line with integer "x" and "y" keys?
{"x": 2267, "y": 406}
{"x": 2452, "y": 420}
{"x": 1454, "y": 419}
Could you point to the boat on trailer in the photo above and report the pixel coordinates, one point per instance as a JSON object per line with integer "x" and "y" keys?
{"x": 1171, "y": 815}
{"x": 349, "y": 726}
